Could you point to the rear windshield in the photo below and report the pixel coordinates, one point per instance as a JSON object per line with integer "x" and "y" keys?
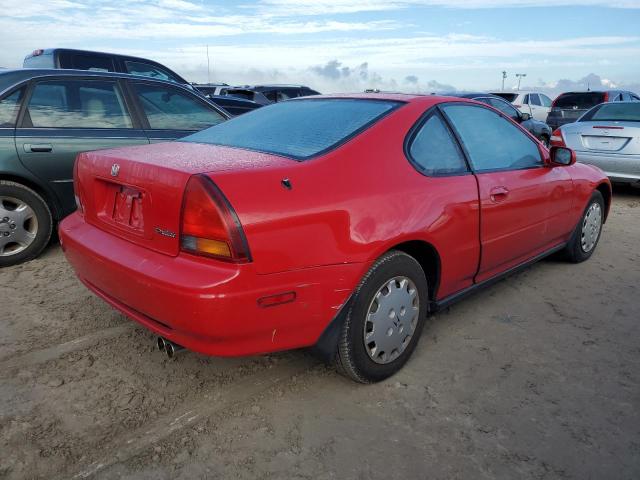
{"x": 297, "y": 128}
{"x": 509, "y": 97}
{"x": 581, "y": 101}
{"x": 623, "y": 112}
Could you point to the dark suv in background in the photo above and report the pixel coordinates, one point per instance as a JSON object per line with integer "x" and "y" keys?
{"x": 569, "y": 106}
{"x": 67, "y": 58}
{"x": 47, "y": 117}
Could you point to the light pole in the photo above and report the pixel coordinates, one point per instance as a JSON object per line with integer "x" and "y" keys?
{"x": 520, "y": 75}
{"x": 504, "y": 75}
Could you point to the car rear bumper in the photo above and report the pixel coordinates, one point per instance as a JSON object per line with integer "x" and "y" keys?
{"x": 205, "y": 305}
{"x": 619, "y": 168}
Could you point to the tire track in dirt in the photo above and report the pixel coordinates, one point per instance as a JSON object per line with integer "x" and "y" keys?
{"x": 242, "y": 391}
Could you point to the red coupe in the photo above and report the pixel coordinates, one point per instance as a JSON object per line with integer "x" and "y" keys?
{"x": 334, "y": 221}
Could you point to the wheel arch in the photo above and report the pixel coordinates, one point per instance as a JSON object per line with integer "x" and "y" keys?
{"x": 429, "y": 259}
{"x": 605, "y": 189}
{"x": 425, "y": 254}
{"x": 36, "y": 187}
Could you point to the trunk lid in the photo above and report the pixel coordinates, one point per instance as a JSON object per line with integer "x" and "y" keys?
{"x": 603, "y": 136}
{"x": 136, "y": 192}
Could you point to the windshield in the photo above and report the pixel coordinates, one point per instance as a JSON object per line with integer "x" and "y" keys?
{"x": 582, "y": 101}
{"x": 297, "y": 128}
{"x": 623, "y": 112}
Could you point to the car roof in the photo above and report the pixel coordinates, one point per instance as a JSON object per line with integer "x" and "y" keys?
{"x": 473, "y": 95}
{"x": 9, "y": 78}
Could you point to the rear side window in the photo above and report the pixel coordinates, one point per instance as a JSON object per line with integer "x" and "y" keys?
{"x": 534, "y": 99}
{"x": 170, "y": 109}
{"x": 93, "y": 63}
{"x": 147, "y": 70}
{"x": 581, "y": 101}
{"x": 434, "y": 150}
{"x": 299, "y": 128}
{"x": 505, "y": 108}
{"x": 9, "y": 107}
{"x": 492, "y": 142}
{"x": 77, "y": 104}
{"x": 546, "y": 101}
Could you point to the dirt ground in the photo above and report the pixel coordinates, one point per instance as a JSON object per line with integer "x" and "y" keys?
{"x": 537, "y": 377}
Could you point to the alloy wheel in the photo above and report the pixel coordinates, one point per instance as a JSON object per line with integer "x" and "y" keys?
{"x": 18, "y": 226}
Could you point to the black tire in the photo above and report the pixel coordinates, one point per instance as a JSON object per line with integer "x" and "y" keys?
{"x": 352, "y": 358}
{"x": 42, "y": 215}
{"x": 574, "y": 251}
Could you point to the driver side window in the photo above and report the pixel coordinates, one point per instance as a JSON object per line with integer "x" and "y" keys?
{"x": 492, "y": 142}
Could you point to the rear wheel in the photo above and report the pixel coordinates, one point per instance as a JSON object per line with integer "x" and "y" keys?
{"x": 385, "y": 320}
{"x": 25, "y": 223}
{"x": 587, "y": 234}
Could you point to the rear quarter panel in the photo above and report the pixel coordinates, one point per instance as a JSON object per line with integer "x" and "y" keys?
{"x": 587, "y": 178}
{"x": 355, "y": 203}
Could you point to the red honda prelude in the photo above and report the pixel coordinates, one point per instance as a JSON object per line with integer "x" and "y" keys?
{"x": 334, "y": 221}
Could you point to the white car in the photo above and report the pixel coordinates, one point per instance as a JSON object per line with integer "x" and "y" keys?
{"x": 535, "y": 104}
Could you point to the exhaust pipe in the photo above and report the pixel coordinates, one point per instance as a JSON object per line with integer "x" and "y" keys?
{"x": 170, "y": 348}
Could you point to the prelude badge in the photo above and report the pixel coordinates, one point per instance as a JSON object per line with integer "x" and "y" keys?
{"x": 115, "y": 170}
{"x": 165, "y": 233}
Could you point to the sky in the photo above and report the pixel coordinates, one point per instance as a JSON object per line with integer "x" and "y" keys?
{"x": 340, "y": 45}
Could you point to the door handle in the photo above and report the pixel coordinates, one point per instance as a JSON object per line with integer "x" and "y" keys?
{"x": 498, "y": 194}
{"x": 38, "y": 147}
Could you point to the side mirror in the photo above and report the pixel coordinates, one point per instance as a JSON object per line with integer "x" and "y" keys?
{"x": 562, "y": 156}
{"x": 525, "y": 116}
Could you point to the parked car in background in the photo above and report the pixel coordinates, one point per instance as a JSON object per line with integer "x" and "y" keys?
{"x": 48, "y": 116}
{"x": 536, "y": 104}
{"x": 538, "y": 129}
{"x": 338, "y": 222}
{"x": 608, "y": 136}
{"x": 279, "y": 93}
{"x": 569, "y": 106}
{"x": 211, "y": 88}
{"x": 68, "y": 58}
{"x": 247, "y": 94}
{"x": 233, "y": 105}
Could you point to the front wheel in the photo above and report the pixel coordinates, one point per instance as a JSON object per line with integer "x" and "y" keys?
{"x": 25, "y": 223}
{"x": 385, "y": 319}
{"x": 587, "y": 234}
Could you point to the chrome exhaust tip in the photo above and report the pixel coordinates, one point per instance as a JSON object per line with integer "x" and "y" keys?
{"x": 172, "y": 348}
{"x": 161, "y": 344}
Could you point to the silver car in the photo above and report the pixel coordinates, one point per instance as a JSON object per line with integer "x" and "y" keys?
{"x": 608, "y": 136}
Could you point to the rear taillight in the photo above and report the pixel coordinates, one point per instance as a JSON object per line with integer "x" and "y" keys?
{"x": 605, "y": 97}
{"x": 37, "y": 53}
{"x": 557, "y": 140}
{"x": 517, "y": 106}
{"x": 210, "y": 226}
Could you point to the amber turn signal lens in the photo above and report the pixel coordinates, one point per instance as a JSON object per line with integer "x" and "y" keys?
{"x": 206, "y": 246}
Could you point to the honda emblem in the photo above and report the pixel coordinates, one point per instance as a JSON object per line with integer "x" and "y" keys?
{"x": 115, "y": 169}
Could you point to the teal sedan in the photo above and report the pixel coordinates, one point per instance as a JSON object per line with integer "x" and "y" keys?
{"x": 47, "y": 117}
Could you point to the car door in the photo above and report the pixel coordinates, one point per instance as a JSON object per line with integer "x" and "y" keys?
{"x": 450, "y": 199}
{"x": 169, "y": 113}
{"x": 66, "y": 116}
{"x": 525, "y": 106}
{"x": 544, "y": 108}
{"x": 524, "y": 204}
{"x": 538, "y": 112}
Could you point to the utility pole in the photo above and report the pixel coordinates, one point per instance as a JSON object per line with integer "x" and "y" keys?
{"x": 208, "y": 67}
{"x": 520, "y": 75}
{"x": 504, "y": 75}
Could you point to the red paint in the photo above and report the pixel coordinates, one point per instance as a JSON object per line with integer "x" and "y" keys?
{"x": 315, "y": 241}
